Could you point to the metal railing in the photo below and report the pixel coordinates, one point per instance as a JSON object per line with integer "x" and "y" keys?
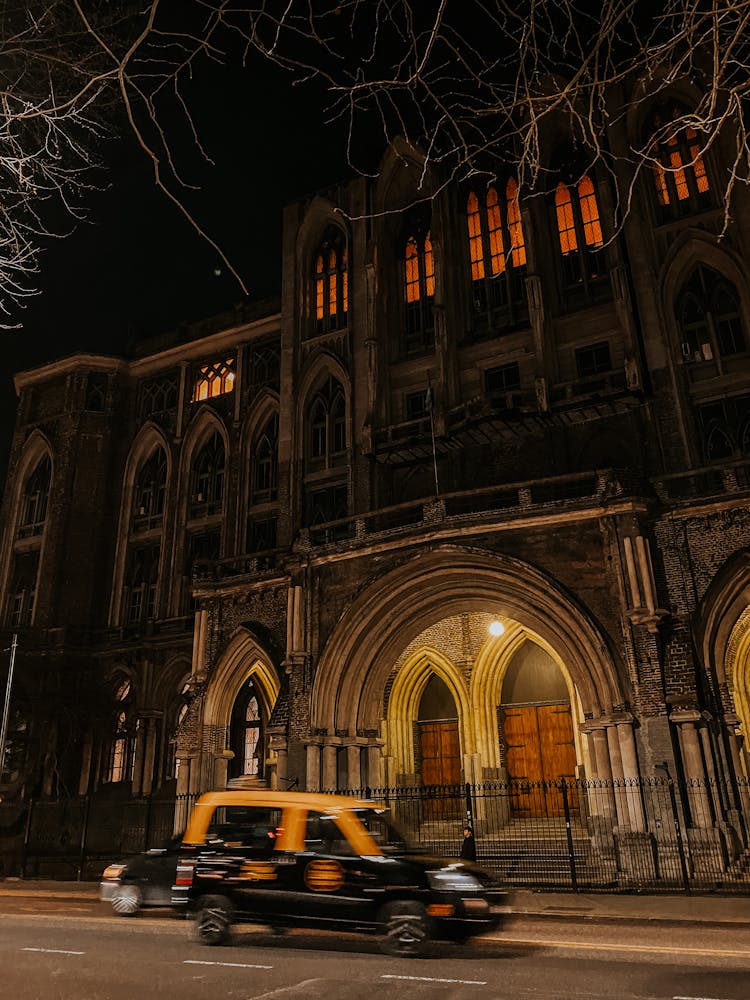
{"x": 654, "y": 835}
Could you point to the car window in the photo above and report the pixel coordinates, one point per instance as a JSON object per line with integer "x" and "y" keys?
{"x": 253, "y": 827}
{"x": 323, "y": 836}
{"x": 382, "y": 829}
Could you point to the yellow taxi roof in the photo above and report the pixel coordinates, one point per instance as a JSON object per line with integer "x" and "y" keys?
{"x": 267, "y": 796}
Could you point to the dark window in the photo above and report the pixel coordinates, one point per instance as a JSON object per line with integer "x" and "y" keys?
{"x": 417, "y": 405}
{"x": 326, "y": 426}
{"x": 593, "y": 360}
{"x": 205, "y": 546}
{"x": 709, "y": 318}
{"x": 254, "y": 828}
{"x": 158, "y": 395}
{"x": 327, "y": 504}
{"x": 264, "y": 366}
{"x": 265, "y": 464}
{"x": 16, "y": 758}
{"x": 96, "y": 392}
{"x": 323, "y": 836}
{"x": 149, "y": 493}
{"x": 724, "y": 427}
{"x": 34, "y": 500}
{"x": 207, "y": 479}
{"x": 142, "y": 580}
{"x": 22, "y": 590}
{"x": 261, "y": 534}
{"x": 121, "y": 748}
{"x": 502, "y": 379}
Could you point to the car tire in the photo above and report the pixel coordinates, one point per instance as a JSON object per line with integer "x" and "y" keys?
{"x": 127, "y": 900}
{"x": 213, "y": 920}
{"x": 405, "y": 929}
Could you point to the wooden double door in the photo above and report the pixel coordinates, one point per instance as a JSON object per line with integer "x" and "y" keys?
{"x": 539, "y": 754}
{"x": 440, "y": 750}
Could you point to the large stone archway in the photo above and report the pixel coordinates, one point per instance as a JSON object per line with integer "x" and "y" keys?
{"x": 355, "y": 665}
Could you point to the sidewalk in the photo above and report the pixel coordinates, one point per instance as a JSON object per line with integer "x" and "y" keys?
{"x": 625, "y": 908}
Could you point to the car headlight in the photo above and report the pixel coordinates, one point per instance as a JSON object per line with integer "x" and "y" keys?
{"x": 453, "y": 881}
{"x": 113, "y": 871}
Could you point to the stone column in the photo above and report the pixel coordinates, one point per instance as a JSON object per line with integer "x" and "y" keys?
{"x": 375, "y": 778}
{"x": 631, "y": 775}
{"x": 353, "y": 777}
{"x": 329, "y": 766}
{"x": 140, "y": 742}
{"x": 312, "y": 777}
{"x": 600, "y": 795}
{"x": 149, "y": 755}
{"x": 692, "y": 762}
{"x": 618, "y": 777}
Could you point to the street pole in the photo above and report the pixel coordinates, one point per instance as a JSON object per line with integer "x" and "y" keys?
{"x": 6, "y": 707}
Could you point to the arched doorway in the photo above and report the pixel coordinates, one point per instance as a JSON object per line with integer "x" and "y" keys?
{"x": 536, "y": 724}
{"x": 246, "y": 734}
{"x": 439, "y": 744}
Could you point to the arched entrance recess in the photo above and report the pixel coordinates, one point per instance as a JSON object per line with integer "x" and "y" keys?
{"x": 386, "y": 617}
{"x": 243, "y": 660}
{"x": 722, "y": 638}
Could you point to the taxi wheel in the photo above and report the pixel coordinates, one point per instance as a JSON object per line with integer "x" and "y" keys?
{"x": 213, "y": 920}
{"x": 127, "y": 900}
{"x": 406, "y": 929}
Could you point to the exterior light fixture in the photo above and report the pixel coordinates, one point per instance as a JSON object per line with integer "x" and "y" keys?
{"x": 496, "y": 628}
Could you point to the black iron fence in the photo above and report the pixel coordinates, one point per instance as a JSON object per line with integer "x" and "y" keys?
{"x": 655, "y": 835}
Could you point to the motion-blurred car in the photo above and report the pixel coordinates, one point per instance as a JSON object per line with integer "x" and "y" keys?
{"x": 144, "y": 880}
{"x": 304, "y": 859}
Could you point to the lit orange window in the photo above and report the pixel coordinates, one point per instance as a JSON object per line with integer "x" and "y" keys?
{"x": 411, "y": 259}
{"x": 495, "y": 232}
{"x": 515, "y": 228}
{"x": 429, "y": 267}
{"x": 662, "y": 191}
{"x": 319, "y": 286}
{"x": 676, "y": 164}
{"x": 332, "y": 300}
{"x": 592, "y": 229}
{"x": 699, "y": 167}
{"x": 214, "y": 380}
{"x": 476, "y": 252}
{"x": 345, "y": 282}
{"x": 565, "y": 223}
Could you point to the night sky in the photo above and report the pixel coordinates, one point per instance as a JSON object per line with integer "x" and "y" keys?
{"x": 137, "y": 268}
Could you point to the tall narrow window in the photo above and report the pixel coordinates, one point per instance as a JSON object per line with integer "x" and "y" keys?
{"x": 419, "y": 290}
{"x": 265, "y": 463}
{"x": 149, "y": 493}
{"x": 709, "y": 317}
{"x": 580, "y": 234}
{"x": 22, "y": 590}
{"x": 497, "y": 255}
{"x": 120, "y": 750}
{"x": 34, "y": 500}
{"x": 246, "y": 735}
{"x": 143, "y": 577}
{"x": 679, "y": 169}
{"x": 207, "y": 479}
{"x": 326, "y": 441}
{"x": 331, "y": 282}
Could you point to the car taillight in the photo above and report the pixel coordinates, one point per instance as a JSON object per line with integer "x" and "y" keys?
{"x": 113, "y": 871}
{"x": 184, "y": 875}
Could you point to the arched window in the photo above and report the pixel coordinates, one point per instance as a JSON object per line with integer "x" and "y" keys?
{"x": 680, "y": 177}
{"x": 214, "y": 379}
{"x": 34, "y": 500}
{"x": 120, "y": 765}
{"x": 326, "y": 426}
{"x": 579, "y": 231}
{"x": 207, "y": 478}
{"x": 497, "y": 254}
{"x": 22, "y": 590}
{"x": 709, "y": 318}
{"x": 142, "y": 581}
{"x": 724, "y": 426}
{"x": 419, "y": 290}
{"x": 149, "y": 493}
{"x": 265, "y": 464}
{"x": 246, "y": 737}
{"x": 331, "y": 282}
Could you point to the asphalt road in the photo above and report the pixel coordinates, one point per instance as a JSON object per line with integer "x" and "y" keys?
{"x": 76, "y": 951}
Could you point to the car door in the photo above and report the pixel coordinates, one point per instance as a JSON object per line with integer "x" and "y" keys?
{"x": 327, "y": 880}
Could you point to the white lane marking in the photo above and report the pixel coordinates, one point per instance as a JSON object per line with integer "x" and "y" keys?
{"x": 228, "y": 965}
{"x": 655, "y": 949}
{"x": 54, "y": 951}
{"x": 696, "y": 998}
{"x": 430, "y": 979}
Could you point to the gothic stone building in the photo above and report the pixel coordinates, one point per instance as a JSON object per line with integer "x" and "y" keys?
{"x": 275, "y": 543}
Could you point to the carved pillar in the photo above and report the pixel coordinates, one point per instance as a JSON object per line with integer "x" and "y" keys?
{"x": 618, "y": 778}
{"x": 312, "y": 777}
{"x": 353, "y": 777}
{"x": 329, "y": 766}
{"x": 631, "y": 775}
{"x": 692, "y": 762}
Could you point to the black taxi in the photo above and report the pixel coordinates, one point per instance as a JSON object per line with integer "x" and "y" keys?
{"x": 305, "y": 859}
